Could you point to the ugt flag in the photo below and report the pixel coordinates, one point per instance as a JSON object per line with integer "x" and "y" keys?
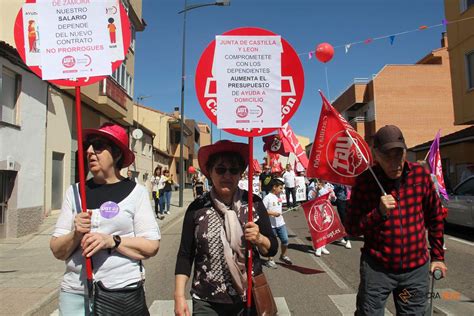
{"x": 334, "y": 156}
{"x": 434, "y": 159}
{"x": 323, "y": 221}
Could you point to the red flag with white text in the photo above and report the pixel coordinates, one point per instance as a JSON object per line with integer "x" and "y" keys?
{"x": 288, "y": 136}
{"x": 334, "y": 156}
{"x": 274, "y": 144}
{"x": 323, "y": 221}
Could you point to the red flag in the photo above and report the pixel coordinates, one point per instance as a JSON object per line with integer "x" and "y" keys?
{"x": 323, "y": 221}
{"x": 287, "y": 135}
{"x": 275, "y": 163}
{"x": 334, "y": 156}
{"x": 274, "y": 144}
{"x": 256, "y": 166}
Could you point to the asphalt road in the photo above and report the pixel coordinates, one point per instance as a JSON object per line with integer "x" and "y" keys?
{"x": 327, "y": 285}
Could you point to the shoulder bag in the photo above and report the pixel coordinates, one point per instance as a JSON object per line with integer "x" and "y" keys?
{"x": 263, "y": 297}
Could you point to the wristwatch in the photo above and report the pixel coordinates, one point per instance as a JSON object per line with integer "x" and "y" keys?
{"x": 117, "y": 240}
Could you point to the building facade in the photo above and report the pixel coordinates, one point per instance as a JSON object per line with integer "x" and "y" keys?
{"x": 461, "y": 53}
{"x": 417, "y": 98}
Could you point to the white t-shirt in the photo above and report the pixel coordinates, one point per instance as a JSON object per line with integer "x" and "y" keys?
{"x": 289, "y": 178}
{"x": 155, "y": 181}
{"x": 134, "y": 219}
{"x": 273, "y": 203}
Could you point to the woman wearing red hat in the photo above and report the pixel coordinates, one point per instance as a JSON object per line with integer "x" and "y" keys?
{"x": 118, "y": 231}
{"x": 213, "y": 238}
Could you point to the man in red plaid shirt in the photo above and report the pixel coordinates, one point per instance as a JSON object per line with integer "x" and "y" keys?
{"x": 395, "y": 256}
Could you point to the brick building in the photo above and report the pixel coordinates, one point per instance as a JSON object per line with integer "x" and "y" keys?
{"x": 417, "y": 98}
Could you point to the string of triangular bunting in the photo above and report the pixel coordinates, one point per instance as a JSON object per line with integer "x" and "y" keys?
{"x": 390, "y": 37}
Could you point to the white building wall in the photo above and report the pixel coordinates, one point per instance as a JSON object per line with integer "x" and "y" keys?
{"x": 25, "y": 144}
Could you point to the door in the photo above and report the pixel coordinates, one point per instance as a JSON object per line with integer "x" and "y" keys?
{"x": 57, "y": 181}
{"x": 3, "y": 203}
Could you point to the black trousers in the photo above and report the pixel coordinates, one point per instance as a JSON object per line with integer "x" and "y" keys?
{"x": 156, "y": 198}
{"x": 293, "y": 195}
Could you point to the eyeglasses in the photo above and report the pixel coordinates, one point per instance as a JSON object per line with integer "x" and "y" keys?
{"x": 222, "y": 170}
{"x": 98, "y": 145}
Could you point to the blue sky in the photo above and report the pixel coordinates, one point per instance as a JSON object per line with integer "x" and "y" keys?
{"x": 304, "y": 24}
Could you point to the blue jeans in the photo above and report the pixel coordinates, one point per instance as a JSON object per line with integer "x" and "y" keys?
{"x": 165, "y": 201}
{"x": 282, "y": 233}
{"x": 74, "y": 304}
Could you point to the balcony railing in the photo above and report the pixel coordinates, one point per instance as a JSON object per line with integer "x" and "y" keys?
{"x": 114, "y": 91}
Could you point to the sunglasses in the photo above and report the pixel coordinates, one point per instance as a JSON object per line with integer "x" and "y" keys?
{"x": 98, "y": 145}
{"x": 222, "y": 170}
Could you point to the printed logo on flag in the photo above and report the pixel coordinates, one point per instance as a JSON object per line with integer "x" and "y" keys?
{"x": 276, "y": 144}
{"x": 346, "y": 160}
{"x": 321, "y": 216}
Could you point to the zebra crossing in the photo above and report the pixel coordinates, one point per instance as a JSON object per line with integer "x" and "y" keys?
{"x": 450, "y": 302}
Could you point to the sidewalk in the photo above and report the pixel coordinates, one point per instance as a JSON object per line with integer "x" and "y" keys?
{"x": 30, "y": 275}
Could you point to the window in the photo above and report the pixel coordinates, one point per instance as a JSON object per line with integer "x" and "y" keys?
{"x": 123, "y": 78}
{"x": 465, "y": 4}
{"x": 470, "y": 69}
{"x": 467, "y": 188}
{"x": 177, "y": 137}
{"x": 10, "y": 84}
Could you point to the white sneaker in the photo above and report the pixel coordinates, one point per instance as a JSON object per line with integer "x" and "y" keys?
{"x": 348, "y": 245}
{"x": 342, "y": 241}
{"x": 271, "y": 264}
{"x": 325, "y": 251}
{"x": 318, "y": 252}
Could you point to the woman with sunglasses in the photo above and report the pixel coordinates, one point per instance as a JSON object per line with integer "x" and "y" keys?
{"x": 117, "y": 232}
{"x": 215, "y": 229}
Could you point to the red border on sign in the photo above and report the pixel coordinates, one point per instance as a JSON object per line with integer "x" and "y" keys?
{"x": 292, "y": 82}
{"x": 20, "y": 47}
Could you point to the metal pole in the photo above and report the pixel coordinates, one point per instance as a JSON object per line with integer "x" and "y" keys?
{"x": 250, "y": 219}
{"x": 82, "y": 179}
{"x": 181, "y": 123}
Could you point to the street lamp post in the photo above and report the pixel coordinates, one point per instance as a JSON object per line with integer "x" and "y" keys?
{"x": 181, "y": 123}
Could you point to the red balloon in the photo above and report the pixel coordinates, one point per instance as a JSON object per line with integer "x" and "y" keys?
{"x": 324, "y": 52}
{"x": 191, "y": 169}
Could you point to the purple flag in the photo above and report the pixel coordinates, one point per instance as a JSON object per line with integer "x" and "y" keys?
{"x": 434, "y": 160}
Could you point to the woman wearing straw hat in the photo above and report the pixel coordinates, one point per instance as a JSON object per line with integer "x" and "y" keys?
{"x": 215, "y": 229}
{"x": 118, "y": 231}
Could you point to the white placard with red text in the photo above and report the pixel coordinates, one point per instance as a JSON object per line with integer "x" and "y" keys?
{"x": 75, "y": 39}
{"x": 247, "y": 70}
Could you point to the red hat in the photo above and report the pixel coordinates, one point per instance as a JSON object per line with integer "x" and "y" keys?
{"x": 222, "y": 146}
{"x": 117, "y": 135}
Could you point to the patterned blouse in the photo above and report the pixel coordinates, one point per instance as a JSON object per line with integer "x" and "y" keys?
{"x": 201, "y": 244}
